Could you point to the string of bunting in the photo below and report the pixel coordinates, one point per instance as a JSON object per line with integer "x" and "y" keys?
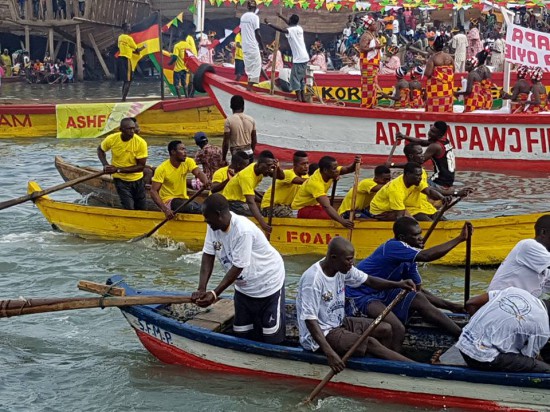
{"x": 357, "y": 5}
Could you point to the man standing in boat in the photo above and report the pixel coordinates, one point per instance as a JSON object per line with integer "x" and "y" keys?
{"x": 440, "y": 73}
{"x": 127, "y": 48}
{"x": 300, "y": 57}
{"x": 369, "y": 46}
{"x": 169, "y": 186}
{"x": 252, "y": 44}
{"x": 439, "y": 150}
{"x": 180, "y": 68}
{"x": 209, "y": 156}
{"x": 397, "y": 259}
{"x": 239, "y": 130}
{"x": 320, "y": 308}
{"x": 129, "y": 156}
{"x": 254, "y": 266}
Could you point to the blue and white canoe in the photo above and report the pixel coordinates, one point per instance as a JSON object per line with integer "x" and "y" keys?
{"x": 177, "y": 334}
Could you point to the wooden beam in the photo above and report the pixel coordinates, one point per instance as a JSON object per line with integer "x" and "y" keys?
{"x": 49, "y": 9}
{"x": 99, "y": 56}
{"x": 96, "y": 22}
{"x": 79, "y": 55}
{"x": 28, "y": 40}
{"x": 56, "y": 52}
{"x": 50, "y": 42}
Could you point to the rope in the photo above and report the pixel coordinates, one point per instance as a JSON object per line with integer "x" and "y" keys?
{"x": 25, "y": 302}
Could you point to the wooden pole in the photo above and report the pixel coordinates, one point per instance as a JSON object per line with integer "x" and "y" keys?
{"x": 468, "y": 268}
{"x": 56, "y": 52}
{"x": 354, "y": 197}
{"x": 438, "y": 217}
{"x": 99, "y": 56}
{"x": 50, "y": 43}
{"x": 333, "y": 193}
{"x": 28, "y": 40}
{"x": 275, "y": 52}
{"x": 161, "y": 62}
{"x": 49, "y": 9}
{"x": 79, "y": 53}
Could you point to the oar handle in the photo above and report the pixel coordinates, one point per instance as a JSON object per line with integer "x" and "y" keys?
{"x": 34, "y": 195}
{"x": 333, "y": 192}
{"x": 439, "y": 216}
{"x": 357, "y": 343}
{"x": 157, "y": 227}
{"x": 272, "y": 199}
{"x": 468, "y": 268}
{"x": 392, "y": 151}
{"x": 354, "y": 196}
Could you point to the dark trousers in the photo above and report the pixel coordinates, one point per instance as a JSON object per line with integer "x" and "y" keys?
{"x": 131, "y": 194}
{"x": 191, "y": 207}
{"x": 509, "y": 362}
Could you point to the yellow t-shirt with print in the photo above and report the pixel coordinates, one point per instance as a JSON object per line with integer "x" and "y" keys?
{"x": 126, "y": 46}
{"x": 311, "y": 189}
{"x": 418, "y": 202}
{"x": 363, "y": 199}
{"x": 393, "y": 196}
{"x": 179, "y": 51}
{"x": 239, "y": 50}
{"x": 125, "y": 154}
{"x": 174, "y": 179}
{"x": 285, "y": 190}
{"x": 242, "y": 184}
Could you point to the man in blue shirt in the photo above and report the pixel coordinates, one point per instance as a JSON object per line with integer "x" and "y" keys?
{"x": 396, "y": 260}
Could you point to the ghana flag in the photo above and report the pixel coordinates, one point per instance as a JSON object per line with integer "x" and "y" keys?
{"x": 146, "y": 34}
{"x": 167, "y": 69}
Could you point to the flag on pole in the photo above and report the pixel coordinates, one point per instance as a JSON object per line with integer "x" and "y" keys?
{"x": 145, "y": 34}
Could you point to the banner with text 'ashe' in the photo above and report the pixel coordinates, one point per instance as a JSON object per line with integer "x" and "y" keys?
{"x": 95, "y": 119}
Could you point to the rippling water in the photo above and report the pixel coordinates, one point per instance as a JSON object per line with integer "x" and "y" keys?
{"x": 91, "y": 360}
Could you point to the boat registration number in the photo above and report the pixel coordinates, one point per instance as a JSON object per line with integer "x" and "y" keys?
{"x": 155, "y": 331}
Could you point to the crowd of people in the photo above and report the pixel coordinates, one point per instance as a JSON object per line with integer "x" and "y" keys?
{"x": 46, "y": 71}
{"x": 336, "y": 300}
{"x": 61, "y": 9}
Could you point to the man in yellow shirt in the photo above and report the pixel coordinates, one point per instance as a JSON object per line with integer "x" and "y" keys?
{"x": 126, "y": 47}
{"x": 169, "y": 186}
{"x": 239, "y": 58}
{"x": 180, "y": 69}
{"x": 312, "y": 201}
{"x": 129, "y": 155}
{"x": 240, "y": 190}
{"x": 286, "y": 189}
{"x": 223, "y": 175}
{"x": 366, "y": 190}
{"x": 393, "y": 200}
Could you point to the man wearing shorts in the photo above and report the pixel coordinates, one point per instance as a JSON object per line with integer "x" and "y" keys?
{"x": 254, "y": 266}
{"x": 300, "y": 57}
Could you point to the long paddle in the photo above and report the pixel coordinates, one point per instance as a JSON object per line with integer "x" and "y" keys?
{"x": 439, "y": 216}
{"x": 34, "y": 195}
{"x": 16, "y": 307}
{"x": 157, "y": 227}
{"x": 354, "y": 196}
{"x": 468, "y": 268}
{"x": 359, "y": 341}
{"x": 333, "y": 193}
{"x": 392, "y": 151}
{"x": 272, "y": 199}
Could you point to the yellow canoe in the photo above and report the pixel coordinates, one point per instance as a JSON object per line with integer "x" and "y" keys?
{"x": 492, "y": 240}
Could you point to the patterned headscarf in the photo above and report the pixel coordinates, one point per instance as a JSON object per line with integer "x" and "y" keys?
{"x": 523, "y": 71}
{"x": 473, "y": 61}
{"x": 392, "y": 50}
{"x": 536, "y": 74}
{"x": 367, "y": 20}
{"x": 418, "y": 71}
{"x": 400, "y": 72}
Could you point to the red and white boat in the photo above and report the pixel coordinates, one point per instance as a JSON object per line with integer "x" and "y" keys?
{"x": 485, "y": 140}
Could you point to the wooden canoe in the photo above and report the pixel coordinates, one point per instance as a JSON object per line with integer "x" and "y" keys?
{"x": 491, "y": 243}
{"x": 177, "y": 334}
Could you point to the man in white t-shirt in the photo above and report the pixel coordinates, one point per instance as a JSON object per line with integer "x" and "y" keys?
{"x": 255, "y": 268}
{"x": 320, "y": 308}
{"x": 527, "y": 266}
{"x": 507, "y": 333}
{"x": 251, "y": 44}
{"x": 300, "y": 57}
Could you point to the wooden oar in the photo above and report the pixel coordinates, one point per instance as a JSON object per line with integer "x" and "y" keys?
{"x": 333, "y": 193}
{"x": 157, "y": 227}
{"x": 34, "y": 195}
{"x": 392, "y": 151}
{"x": 272, "y": 200}
{"x": 16, "y": 307}
{"x": 354, "y": 197}
{"x": 468, "y": 268}
{"x": 359, "y": 341}
{"x": 439, "y": 216}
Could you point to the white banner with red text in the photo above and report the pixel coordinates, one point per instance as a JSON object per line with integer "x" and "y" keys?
{"x": 528, "y": 47}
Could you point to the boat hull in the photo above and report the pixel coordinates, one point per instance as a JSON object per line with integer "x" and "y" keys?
{"x": 493, "y": 240}
{"x": 417, "y": 384}
{"x": 482, "y": 140}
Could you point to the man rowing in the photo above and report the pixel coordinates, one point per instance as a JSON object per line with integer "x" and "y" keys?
{"x": 312, "y": 201}
{"x": 251, "y": 264}
{"x": 396, "y": 260}
{"x": 222, "y": 176}
{"x": 320, "y": 308}
{"x": 286, "y": 189}
{"x": 169, "y": 185}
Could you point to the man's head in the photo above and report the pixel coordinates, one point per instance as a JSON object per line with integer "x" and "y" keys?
{"x": 237, "y": 104}
{"x": 328, "y": 167}
{"x": 239, "y": 161}
{"x": 412, "y": 175}
{"x": 127, "y": 128}
{"x": 251, "y": 5}
{"x": 200, "y": 139}
{"x": 177, "y": 151}
{"x": 293, "y": 20}
{"x": 542, "y": 231}
{"x": 138, "y": 129}
{"x": 407, "y": 230}
{"x": 439, "y": 43}
{"x": 382, "y": 174}
{"x": 266, "y": 163}
{"x": 414, "y": 153}
{"x": 6, "y": 52}
{"x": 313, "y": 167}
{"x": 126, "y": 28}
{"x": 340, "y": 255}
{"x": 437, "y": 130}
{"x": 300, "y": 163}
{"x": 215, "y": 210}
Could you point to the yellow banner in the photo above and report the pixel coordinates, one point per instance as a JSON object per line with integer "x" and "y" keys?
{"x": 95, "y": 119}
